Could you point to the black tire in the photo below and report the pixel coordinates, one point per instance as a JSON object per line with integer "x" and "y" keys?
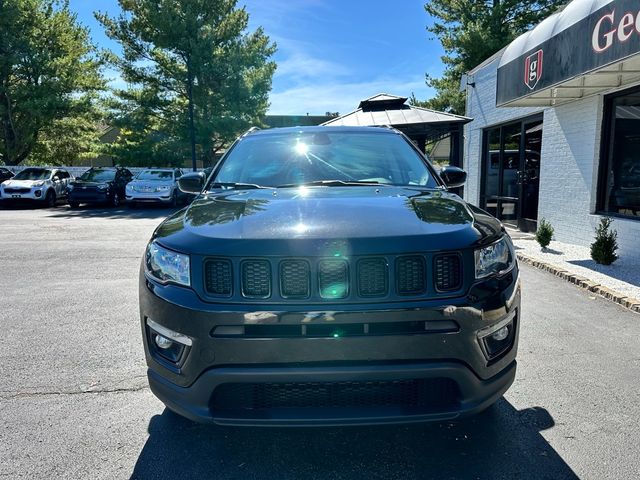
{"x": 50, "y": 199}
{"x": 115, "y": 201}
{"x": 74, "y": 204}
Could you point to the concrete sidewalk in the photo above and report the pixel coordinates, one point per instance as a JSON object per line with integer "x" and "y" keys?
{"x": 619, "y": 282}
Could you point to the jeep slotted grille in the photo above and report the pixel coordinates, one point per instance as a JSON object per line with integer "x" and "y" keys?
{"x": 372, "y": 277}
{"x": 295, "y": 278}
{"x": 333, "y": 278}
{"x": 410, "y": 273}
{"x": 448, "y": 272}
{"x": 256, "y": 278}
{"x": 218, "y": 277}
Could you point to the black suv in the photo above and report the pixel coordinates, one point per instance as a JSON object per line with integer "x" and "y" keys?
{"x": 99, "y": 185}
{"x": 325, "y": 275}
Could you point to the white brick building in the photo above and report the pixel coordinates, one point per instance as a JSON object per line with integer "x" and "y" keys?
{"x": 561, "y": 142}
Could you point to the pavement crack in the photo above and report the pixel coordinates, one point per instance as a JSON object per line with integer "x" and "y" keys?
{"x": 13, "y": 395}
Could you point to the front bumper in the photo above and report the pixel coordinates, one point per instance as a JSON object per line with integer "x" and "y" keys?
{"x": 30, "y": 196}
{"x": 312, "y": 367}
{"x": 77, "y": 195}
{"x": 155, "y": 197}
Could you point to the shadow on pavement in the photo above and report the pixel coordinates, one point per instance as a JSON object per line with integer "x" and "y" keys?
{"x": 123, "y": 212}
{"x": 499, "y": 443}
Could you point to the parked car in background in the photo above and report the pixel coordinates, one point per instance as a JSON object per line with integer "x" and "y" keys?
{"x": 43, "y": 185}
{"x": 5, "y": 174}
{"x": 155, "y": 185}
{"x": 326, "y": 275}
{"x": 100, "y": 185}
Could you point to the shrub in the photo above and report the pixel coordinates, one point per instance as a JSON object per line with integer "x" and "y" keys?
{"x": 544, "y": 234}
{"x": 603, "y": 250}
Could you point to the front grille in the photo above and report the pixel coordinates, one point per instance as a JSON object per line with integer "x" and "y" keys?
{"x": 372, "y": 277}
{"x": 295, "y": 276}
{"x": 428, "y": 394}
{"x": 333, "y": 278}
{"x": 410, "y": 275}
{"x": 448, "y": 272}
{"x": 218, "y": 277}
{"x": 256, "y": 278}
{"x": 16, "y": 190}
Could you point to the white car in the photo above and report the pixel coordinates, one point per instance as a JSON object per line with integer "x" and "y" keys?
{"x": 155, "y": 185}
{"x": 42, "y": 185}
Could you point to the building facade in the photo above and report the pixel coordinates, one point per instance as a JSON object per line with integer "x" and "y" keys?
{"x": 556, "y": 125}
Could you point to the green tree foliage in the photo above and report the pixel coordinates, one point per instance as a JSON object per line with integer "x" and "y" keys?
{"x": 605, "y": 246}
{"x": 470, "y": 32}
{"x": 544, "y": 233}
{"x": 49, "y": 82}
{"x": 187, "y": 62}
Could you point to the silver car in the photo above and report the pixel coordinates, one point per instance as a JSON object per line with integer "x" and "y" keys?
{"x": 155, "y": 185}
{"x": 42, "y": 185}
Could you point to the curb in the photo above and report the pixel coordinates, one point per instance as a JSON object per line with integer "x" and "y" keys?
{"x": 630, "y": 303}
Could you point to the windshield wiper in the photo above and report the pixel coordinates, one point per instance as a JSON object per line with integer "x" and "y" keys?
{"x": 236, "y": 185}
{"x": 331, "y": 183}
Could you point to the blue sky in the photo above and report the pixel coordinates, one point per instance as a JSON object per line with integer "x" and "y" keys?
{"x": 331, "y": 53}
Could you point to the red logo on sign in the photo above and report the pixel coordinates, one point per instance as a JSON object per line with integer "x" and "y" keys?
{"x": 533, "y": 69}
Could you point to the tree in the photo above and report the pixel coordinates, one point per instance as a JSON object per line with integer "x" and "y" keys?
{"x": 197, "y": 77}
{"x": 470, "y": 32}
{"x": 49, "y": 76}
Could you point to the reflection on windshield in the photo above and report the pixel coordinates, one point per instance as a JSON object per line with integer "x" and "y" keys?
{"x": 98, "y": 175}
{"x": 295, "y": 158}
{"x": 33, "y": 174}
{"x": 155, "y": 175}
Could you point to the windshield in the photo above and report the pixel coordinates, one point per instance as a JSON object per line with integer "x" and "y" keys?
{"x": 98, "y": 175}
{"x": 33, "y": 174}
{"x": 335, "y": 158}
{"x": 155, "y": 175}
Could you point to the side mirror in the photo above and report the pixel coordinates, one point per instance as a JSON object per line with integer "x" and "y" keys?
{"x": 191, "y": 182}
{"x": 453, "y": 177}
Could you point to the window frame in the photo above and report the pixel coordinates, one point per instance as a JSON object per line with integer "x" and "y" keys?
{"x": 607, "y": 139}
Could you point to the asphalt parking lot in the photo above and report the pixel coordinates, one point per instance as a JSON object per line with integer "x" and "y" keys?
{"x": 74, "y": 401}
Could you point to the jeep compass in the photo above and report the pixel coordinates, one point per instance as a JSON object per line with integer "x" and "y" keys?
{"x": 326, "y": 276}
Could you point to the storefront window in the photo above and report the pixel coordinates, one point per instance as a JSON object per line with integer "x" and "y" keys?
{"x": 620, "y": 193}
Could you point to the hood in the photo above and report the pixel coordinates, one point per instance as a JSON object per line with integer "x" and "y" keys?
{"x": 320, "y": 220}
{"x": 21, "y": 183}
{"x": 83, "y": 183}
{"x": 153, "y": 184}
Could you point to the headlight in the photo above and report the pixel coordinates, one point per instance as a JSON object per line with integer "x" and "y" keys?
{"x": 163, "y": 188}
{"x": 129, "y": 188}
{"x": 38, "y": 184}
{"x": 103, "y": 187}
{"x": 495, "y": 258}
{"x": 166, "y": 265}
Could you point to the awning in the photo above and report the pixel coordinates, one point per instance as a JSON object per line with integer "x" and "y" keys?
{"x": 589, "y": 47}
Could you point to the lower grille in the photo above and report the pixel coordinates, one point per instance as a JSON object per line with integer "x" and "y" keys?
{"x": 218, "y": 277}
{"x": 448, "y": 272}
{"x": 16, "y": 190}
{"x": 432, "y": 394}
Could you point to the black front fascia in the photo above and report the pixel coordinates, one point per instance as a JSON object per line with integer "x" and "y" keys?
{"x": 585, "y": 46}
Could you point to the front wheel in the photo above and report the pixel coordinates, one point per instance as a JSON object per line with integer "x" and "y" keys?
{"x": 50, "y": 199}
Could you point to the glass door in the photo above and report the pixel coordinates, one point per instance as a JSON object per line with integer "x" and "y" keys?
{"x": 510, "y": 173}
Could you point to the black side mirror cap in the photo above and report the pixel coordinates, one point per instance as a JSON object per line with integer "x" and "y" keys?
{"x": 191, "y": 182}
{"x": 453, "y": 177}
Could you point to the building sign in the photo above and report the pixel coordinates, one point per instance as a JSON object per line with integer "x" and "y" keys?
{"x": 606, "y": 36}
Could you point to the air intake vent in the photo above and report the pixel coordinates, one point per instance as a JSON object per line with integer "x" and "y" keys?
{"x": 333, "y": 279}
{"x": 256, "y": 278}
{"x": 410, "y": 275}
{"x": 448, "y": 272}
{"x": 372, "y": 277}
{"x": 218, "y": 277}
{"x": 294, "y": 279}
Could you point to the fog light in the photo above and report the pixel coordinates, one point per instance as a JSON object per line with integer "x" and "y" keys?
{"x": 163, "y": 342}
{"x": 499, "y": 335}
{"x": 38, "y": 193}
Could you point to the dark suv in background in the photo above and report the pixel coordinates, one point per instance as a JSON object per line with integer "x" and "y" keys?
{"x": 325, "y": 275}
{"x": 99, "y": 185}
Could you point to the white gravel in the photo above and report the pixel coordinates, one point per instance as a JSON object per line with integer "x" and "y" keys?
{"x": 623, "y": 275}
